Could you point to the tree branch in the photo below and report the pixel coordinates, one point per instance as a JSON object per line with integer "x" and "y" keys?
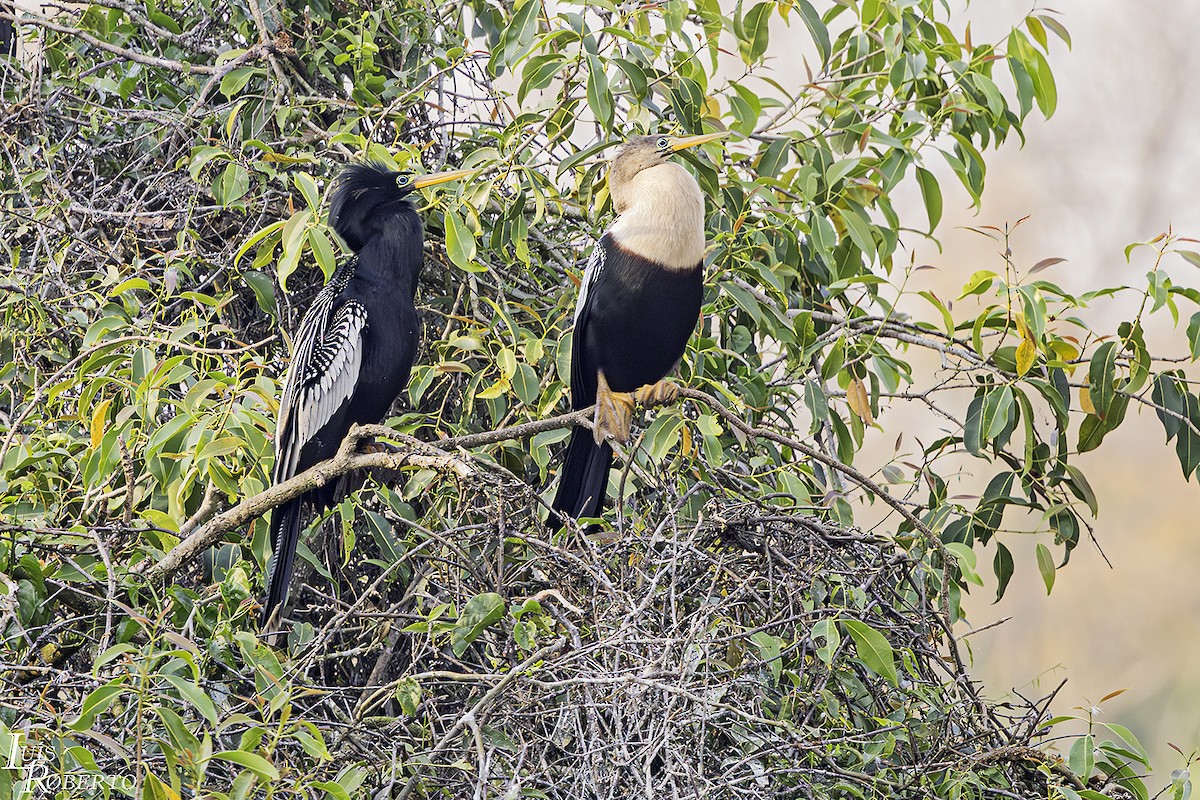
{"x": 437, "y": 456}
{"x": 28, "y": 18}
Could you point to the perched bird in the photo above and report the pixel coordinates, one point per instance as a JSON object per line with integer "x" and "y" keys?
{"x": 638, "y": 304}
{"x": 356, "y": 343}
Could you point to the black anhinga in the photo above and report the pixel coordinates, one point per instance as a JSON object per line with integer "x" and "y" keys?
{"x": 638, "y": 304}
{"x": 356, "y": 343}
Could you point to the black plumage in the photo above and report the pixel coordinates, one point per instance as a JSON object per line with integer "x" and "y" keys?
{"x": 638, "y": 305}
{"x": 355, "y": 346}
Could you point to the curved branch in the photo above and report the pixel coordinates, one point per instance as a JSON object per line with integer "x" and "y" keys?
{"x": 437, "y": 456}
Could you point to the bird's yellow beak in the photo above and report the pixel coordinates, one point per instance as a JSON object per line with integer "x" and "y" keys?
{"x": 433, "y": 179}
{"x": 685, "y": 142}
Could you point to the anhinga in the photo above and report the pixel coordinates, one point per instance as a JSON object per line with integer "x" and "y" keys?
{"x": 638, "y": 304}
{"x": 356, "y": 343}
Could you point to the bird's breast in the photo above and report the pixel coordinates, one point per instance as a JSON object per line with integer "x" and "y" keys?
{"x": 663, "y": 218}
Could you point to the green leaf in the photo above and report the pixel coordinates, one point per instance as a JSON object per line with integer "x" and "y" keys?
{"x": 997, "y": 412}
{"x": 308, "y": 189}
{"x": 460, "y": 243}
{"x": 1169, "y": 403}
{"x": 1190, "y": 256}
{"x": 873, "y": 649}
{"x": 196, "y": 696}
{"x": 257, "y": 237}
{"x": 1187, "y": 444}
{"x": 825, "y": 630}
{"x": 772, "y": 157}
{"x": 181, "y": 737}
{"x": 974, "y": 427}
{"x": 293, "y": 239}
{"x": 1045, "y": 564}
{"x": 1080, "y": 487}
{"x": 408, "y": 695}
{"x": 1003, "y": 567}
{"x": 539, "y": 71}
{"x": 481, "y": 611}
{"x": 519, "y": 33}
{"x": 1130, "y": 740}
{"x": 1082, "y": 758}
{"x": 264, "y": 290}
{"x": 858, "y": 228}
{"x": 96, "y": 702}
{"x": 201, "y": 156}
{"x": 1091, "y": 433}
{"x": 260, "y": 766}
{"x": 1058, "y": 28}
{"x": 1193, "y": 334}
{"x": 816, "y": 28}
{"x": 525, "y": 384}
{"x": 663, "y": 434}
{"x": 599, "y": 97}
{"x": 769, "y": 648}
{"x": 966, "y": 559}
{"x": 322, "y": 248}
{"x": 236, "y": 79}
{"x": 221, "y": 446}
{"x": 231, "y": 185}
{"x": 1101, "y": 374}
{"x": 746, "y": 108}
{"x": 756, "y": 32}
{"x": 931, "y": 192}
{"x": 979, "y": 282}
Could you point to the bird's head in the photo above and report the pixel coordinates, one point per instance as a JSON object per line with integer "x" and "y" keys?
{"x": 643, "y": 152}
{"x": 366, "y": 193}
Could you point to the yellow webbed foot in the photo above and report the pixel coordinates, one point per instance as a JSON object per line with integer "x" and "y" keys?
{"x": 657, "y": 394}
{"x": 614, "y": 413}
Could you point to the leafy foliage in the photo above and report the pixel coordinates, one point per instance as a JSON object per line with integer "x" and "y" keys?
{"x": 163, "y": 219}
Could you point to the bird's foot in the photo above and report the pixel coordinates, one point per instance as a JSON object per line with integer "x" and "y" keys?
{"x": 614, "y": 413}
{"x": 369, "y": 445}
{"x": 657, "y": 394}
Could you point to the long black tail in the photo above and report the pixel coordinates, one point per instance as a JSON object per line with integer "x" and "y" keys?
{"x": 584, "y": 480}
{"x": 285, "y": 535}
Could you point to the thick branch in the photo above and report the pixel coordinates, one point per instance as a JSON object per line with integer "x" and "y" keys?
{"x": 437, "y": 456}
{"x": 131, "y": 55}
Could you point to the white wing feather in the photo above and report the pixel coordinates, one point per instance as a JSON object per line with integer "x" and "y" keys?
{"x": 591, "y": 274}
{"x": 322, "y": 376}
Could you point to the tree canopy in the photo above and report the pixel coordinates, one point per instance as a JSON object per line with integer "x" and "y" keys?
{"x": 735, "y": 634}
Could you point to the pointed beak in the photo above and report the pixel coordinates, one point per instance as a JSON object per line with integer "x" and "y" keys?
{"x": 433, "y": 179}
{"x": 691, "y": 141}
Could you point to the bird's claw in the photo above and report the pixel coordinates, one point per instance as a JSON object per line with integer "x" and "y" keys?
{"x": 614, "y": 413}
{"x": 369, "y": 445}
{"x": 657, "y": 394}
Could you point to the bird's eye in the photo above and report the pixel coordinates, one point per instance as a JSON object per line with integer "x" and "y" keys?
{"x": 403, "y": 181}
{"x": 663, "y": 143}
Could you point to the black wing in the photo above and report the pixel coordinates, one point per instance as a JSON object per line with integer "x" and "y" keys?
{"x": 320, "y": 381}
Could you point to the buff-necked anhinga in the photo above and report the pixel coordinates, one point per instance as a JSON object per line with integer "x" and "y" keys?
{"x": 352, "y": 355}
{"x": 638, "y": 304}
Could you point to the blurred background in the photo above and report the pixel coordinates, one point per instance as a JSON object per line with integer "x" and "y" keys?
{"x": 1116, "y": 164}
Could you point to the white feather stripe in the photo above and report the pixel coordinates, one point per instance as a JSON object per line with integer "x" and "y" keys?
{"x": 322, "y": 378}
{"x": 591, "y": 274}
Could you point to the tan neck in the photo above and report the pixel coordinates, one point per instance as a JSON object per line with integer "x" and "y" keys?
{"x": 661, "y": 216}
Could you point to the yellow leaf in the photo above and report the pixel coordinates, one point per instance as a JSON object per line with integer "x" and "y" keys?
{"x": 1085, "y": 401}
{"x": 1025, "y": 355}
{"x": 1065, "y": 351}
{"x": 99, "y": 417}
{"x": 495, "y": 390}
{"x": 860, "y": 404}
